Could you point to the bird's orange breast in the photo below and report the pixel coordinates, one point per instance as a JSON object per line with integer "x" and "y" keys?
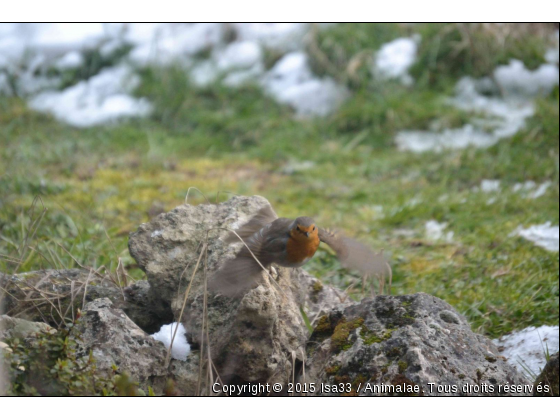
{"x": 300, "y": 250}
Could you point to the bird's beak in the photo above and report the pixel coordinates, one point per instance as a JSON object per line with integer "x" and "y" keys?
{"x": 307, "y": 234}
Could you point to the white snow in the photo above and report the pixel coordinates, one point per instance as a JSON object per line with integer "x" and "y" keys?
{"x": 101, "y": 99}
{"x": 291, "y": 82}
{"x": 459, "y": 138}
{"x": 490, "y": 185}
{"x": 70, "y": 60}
{"x": 504, "y": 117}
{"x": 526, "y": 349}
{"x": 238, "y": 55}
{"x": 531, "y": 190}
{"x": 546, "y": 236}
{"x": 515, "y": 80}
{"x": 279, "y": 36}
{"x": 204, "y": 73}
{"x": 29, "y": 50}
{"x": 165, "y": 43}
{"x": 394, "y": 58}
{"x": 435, "y": 231}
{"x": 181, "y": 348}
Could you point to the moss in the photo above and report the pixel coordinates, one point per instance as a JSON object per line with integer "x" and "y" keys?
{"x": 339, "y": 339}
{"x": 49, "y": 364}
{"x": 324, "y": 326}
{"x": 461, "y": 376}
{"x": 402, "y": 366}
{"x": 332, "y": 370}
{"x": 317, "y": 287}
{"x": 491, "y": 359}
{"x": 370, "y": 338}
{"x": 394, "y": 352}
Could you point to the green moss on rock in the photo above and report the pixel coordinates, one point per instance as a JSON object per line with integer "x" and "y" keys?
{"x": 339, "y": 339}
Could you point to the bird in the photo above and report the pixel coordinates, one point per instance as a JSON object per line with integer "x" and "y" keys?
{"x": 286, "y": 243}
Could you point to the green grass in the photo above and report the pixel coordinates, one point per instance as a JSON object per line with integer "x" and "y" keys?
{"x": 99, "y": 184}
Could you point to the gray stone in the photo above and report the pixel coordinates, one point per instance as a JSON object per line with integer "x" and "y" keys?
{"x": 114, "y": 339}
{"x": 21, "y": 328}
{"x": 410, "y": 340}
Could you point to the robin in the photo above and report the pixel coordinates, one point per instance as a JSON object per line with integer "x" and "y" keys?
{"x": 287, "y": 243}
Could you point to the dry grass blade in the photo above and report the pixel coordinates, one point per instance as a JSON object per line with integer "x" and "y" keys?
{"x": 31, "y": 231}
{"x": 196, "y": 189}
{"x": 168, "y": 357}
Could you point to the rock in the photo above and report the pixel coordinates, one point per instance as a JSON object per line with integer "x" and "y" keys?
{"x": 315, "y": 297}
{"x": 53, "y": 296}
{"x": 548, "y": 376}
{"x": 141, "y": 307}
{"x": 114, "y": 339}
{"x": 411, "y": 341}
{"x": 251, "y": 339}
{"x": 21, "y": 328}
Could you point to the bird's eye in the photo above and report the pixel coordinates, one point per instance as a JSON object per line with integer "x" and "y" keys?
{"x": 297, "y": 227}
{"x": 314, "y": 227}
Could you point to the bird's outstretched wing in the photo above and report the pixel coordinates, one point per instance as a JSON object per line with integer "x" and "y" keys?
{"x": 262, "y": 241}
{"x": 261, "y": 218}
{"x": 236, "y": 276}
{"x": 353, "y": 254}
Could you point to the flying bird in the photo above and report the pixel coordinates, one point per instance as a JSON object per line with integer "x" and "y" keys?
{"x": 287, "y": 243}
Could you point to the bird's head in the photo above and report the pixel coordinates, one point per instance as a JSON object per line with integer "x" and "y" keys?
{"x": 303, "y": 228}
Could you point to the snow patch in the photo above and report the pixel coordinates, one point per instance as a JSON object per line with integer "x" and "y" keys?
{"x": 181, "y": 348}
{"x": 490, "y": 185}
{"x": 435, "y": 231}
{"x": 101, "y": 99}
{"x": 244, "y": 54}
{"x": 546, "y": 236}
{"x": 504, "y": 116}
{"x": 526, "y": 349}
{"x": 291, "y": 82}
{"x": 394, "y": 58}
{"x": 279, "y": 36}
{"x": 70, "y": 60}
{"x": 515, "y": 80}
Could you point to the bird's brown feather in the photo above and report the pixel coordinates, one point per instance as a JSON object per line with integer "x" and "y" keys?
{"x": 354, "y": 254}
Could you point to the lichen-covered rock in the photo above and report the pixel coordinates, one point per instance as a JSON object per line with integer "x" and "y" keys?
{"x": 53, "y": 296}
{"x": 316, "y": 297}
{"x": 408, "y": 342}
{"x": 21, "y": 328}
{"x": 115, "y": 340}
{"x": 251, "y": 339}
{"x": 548, "y": 377}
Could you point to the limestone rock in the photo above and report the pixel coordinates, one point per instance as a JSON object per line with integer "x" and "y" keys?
{"x": 405, "y": 340}
{"x": 251, "y": 339}
{"x": 21, "y": 328}
{"x": 115, "y": 340}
